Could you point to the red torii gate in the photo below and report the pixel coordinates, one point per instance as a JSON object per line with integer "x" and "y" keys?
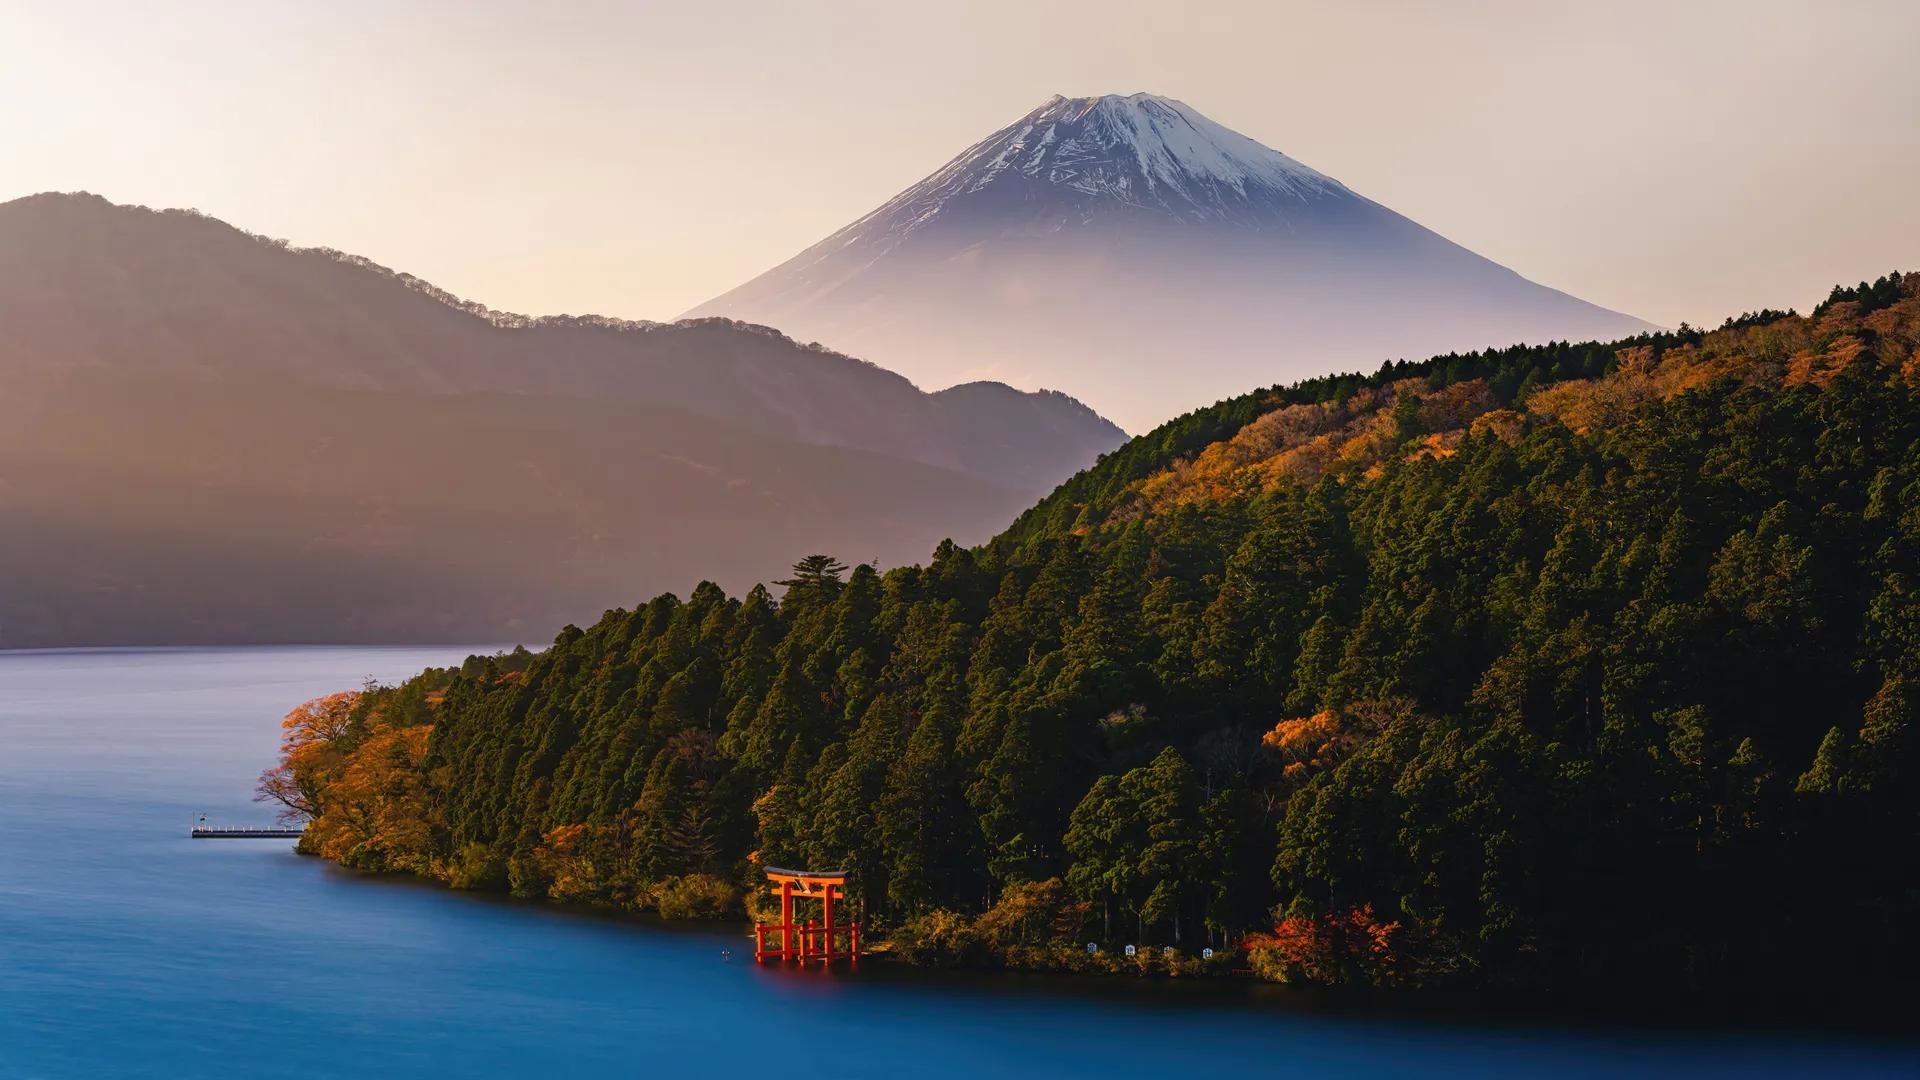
{"x": 812, "y": 941}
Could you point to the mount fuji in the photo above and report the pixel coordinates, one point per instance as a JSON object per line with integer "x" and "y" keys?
{"x": 1149, "y": 260}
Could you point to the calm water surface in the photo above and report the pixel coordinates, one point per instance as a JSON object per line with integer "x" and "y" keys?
{"x": 128, "y": 949}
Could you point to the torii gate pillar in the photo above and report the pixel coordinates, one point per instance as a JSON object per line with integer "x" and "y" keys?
{"x": 814, "y": 941}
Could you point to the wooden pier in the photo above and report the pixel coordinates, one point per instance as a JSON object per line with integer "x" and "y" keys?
{"x": 203, "y": 831}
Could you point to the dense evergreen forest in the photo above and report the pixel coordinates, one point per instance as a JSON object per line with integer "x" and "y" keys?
{"x": 1546, "y": 666}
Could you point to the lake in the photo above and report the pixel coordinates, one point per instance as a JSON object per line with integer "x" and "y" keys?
{"x": 128, "y": 949}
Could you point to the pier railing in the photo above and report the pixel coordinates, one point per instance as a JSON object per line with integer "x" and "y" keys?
{"x": 245, "y": 832}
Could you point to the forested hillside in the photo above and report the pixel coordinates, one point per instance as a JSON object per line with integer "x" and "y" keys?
{"x": 1550, "y": 667}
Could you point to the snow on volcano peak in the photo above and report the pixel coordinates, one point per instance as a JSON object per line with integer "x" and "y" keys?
{"x": 1082, "y": 159}
{"x": 1176, "y": 147}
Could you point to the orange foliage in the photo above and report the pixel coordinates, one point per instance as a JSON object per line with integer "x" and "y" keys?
{"x": 566, "y": 857}
{"x": 1820, "y": 367}
{"x": 1303, "y": 463}
{"x": 306, "y": 737}
{"x": 1217, "y": 471}
{"x": 1310, "y": 743}
{"x": 363, "y": 789}
{"x": 1355, "y": 946}
{"x": 1439, "y": 444}
{"x": 1507, "y": 425}
{"x": 376, "y": 813}
{"x": 321, "y": 720}
{"x": 1454, "y": 407}
{"x": 1301, "y": 443}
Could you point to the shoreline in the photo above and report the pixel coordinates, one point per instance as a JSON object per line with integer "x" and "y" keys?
{"x": 1862, "y": 1015}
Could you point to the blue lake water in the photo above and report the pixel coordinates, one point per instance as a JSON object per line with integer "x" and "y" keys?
{"x": 128, "y": 949}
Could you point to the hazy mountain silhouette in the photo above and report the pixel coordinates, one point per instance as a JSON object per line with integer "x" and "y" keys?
{"x": 1153, "y": 260}
{"x": 209, "y": 436}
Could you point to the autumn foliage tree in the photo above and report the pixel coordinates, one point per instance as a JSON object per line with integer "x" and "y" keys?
{"x": 351, "y": 769}
{"x": 307, "y": 756}
{"x": 1352, "y": 947}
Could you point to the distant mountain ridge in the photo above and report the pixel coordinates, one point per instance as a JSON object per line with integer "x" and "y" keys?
{"x": 234, "y": 302}
{"x": 206, "y": 436}
{"x": 1133, "y": 248}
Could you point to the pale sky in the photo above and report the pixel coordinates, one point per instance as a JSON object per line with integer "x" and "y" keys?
{"x": 1678, "y": 161}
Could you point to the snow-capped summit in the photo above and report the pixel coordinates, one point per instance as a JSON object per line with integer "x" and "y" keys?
{"x": 1138, "y": 152}
{"x": 1129, "y": 250}
{"x": 1158, "y": 152}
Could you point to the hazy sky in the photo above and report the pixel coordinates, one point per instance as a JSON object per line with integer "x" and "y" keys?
{"x": 1673, "y": 160}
